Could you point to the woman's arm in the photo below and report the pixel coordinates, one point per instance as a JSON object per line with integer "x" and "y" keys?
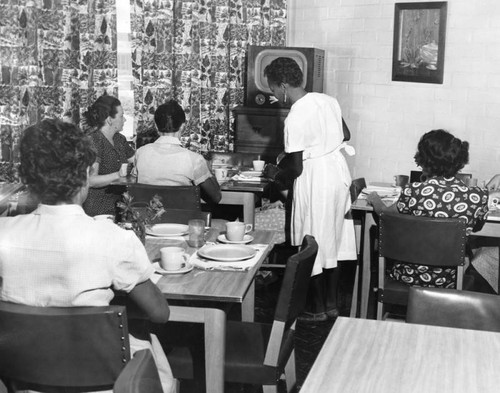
{"x": 148, "y": 297}
{"x": 210, "y": 190}
{"x": 97, "y": 181}
{"x": 285, "y": 173}
{"x": 379, "y": 206}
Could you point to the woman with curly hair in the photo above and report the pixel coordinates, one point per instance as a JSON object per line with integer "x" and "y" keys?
{"x": 58, "y": 256}
{"x": 105, "y": 119}
{"x": 441, "y": 156}
{"x": 313, "y": 137}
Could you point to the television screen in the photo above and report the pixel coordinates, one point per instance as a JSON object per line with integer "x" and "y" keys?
{"x": 264, "y": 58}
{"x": 310, "y": 61}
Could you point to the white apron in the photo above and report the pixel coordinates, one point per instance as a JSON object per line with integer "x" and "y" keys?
{"x": 320, "y": 201}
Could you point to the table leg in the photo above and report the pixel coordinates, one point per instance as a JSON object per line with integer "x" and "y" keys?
{"x": 215, "y": 349}
{"x": 366, "y": 266}
{"x": 248, "y": 304}
{"x": 245, "y": 199}
{"x": 214, "y": 321}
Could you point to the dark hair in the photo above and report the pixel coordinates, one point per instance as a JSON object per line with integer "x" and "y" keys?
{"x": 441, "y": 154}
{"x": 54, "y": 159}
{"x": 284, "y": 70}
{"x": 99, "y": 111}
{"x": 169, "y": 117}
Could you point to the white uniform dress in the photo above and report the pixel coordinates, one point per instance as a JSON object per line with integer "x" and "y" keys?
{"x": 321, "y": 193}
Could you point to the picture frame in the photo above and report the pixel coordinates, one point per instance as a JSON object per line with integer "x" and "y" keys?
{"x": 419, "y": 42}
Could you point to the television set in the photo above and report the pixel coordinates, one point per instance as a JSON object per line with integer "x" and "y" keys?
{"x": 310, "y": 60}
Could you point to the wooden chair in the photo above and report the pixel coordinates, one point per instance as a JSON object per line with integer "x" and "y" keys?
{"x": 419, "y": 240}
{"x": 172, "y": 197}
{"x": 63, "y": 349}
{"x": 452, "y": 308}
{"x": 260, "y": 353}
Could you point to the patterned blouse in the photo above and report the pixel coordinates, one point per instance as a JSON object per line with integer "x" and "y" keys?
{"x": 103, "y": 200}
{"x": 439, "y": 197}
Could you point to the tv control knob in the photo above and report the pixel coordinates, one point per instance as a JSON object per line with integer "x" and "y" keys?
{"x": 260, "y": 99}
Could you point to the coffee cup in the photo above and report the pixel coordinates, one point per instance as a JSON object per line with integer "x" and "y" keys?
{"x": 173, "y": 258}
{"x": 235, "y": 230}
{"x": 124, "y": 169}
{"x": 401, "y": 180}
{"x": 258, "y": 165}
{"x": 220, "y": 173}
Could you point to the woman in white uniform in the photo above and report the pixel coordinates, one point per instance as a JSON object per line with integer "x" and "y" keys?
{"x": 314, "y": 140}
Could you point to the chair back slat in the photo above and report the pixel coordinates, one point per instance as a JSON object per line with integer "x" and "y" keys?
{"x": 172, "y": 197}
{"x": 293, "y": 293}
{"x": 357, "y": 186}
{"x": 422, "y": 240}
{"x": 453, "y": 308}
{"x": 66, "y": 347}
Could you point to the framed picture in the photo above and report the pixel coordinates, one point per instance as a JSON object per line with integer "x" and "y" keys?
{"x": 419, "y": 40}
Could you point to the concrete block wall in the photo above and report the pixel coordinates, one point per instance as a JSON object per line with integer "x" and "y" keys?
{"x": 387, "y": 118}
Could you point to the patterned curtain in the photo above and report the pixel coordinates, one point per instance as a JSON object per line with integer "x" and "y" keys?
{"x": 56, "y": 57}
{"x": 194, "y": 51}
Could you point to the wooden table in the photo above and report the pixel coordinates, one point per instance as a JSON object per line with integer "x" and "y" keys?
{"x": 214, "y": 286}
{"x": 393, "y": 357}
{"x": 491, "y": 228}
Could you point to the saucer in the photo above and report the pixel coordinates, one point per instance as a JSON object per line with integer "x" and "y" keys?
{"x": 246, "y": 239}
{"x": 187, "y": 267}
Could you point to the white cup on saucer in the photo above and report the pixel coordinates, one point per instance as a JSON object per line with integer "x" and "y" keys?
{"x": 235, "y": 230}
{"x": 173, "y": 258}
{"x": 258, "y": 165}
{"x": 220, "y": 173}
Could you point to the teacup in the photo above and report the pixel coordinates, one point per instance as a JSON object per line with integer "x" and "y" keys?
{"x": 173, "y": 258}
{"x": 258, "y": 165}
{"x": 401, "y": 180}
{"x": 235, "y": 231}
{"x": 220, "y": 173}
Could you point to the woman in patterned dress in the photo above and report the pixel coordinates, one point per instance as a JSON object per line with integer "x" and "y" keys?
{"x": 442, "y": 194}
{"x": 105, "y": 117}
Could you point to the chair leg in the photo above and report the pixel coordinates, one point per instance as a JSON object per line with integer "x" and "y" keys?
{"x": 290, "y": 372}
{"x": 380, "y": 310}
{"x": 354, "y": 301}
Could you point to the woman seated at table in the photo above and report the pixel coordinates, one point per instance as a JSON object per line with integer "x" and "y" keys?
{"x": 58, "y": 256}
{"x": 166, "y": 162}
{"x": 105, "y": 119}
{"x": 441, "y": 156}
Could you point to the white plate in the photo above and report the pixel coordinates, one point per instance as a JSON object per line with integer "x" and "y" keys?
{"x": 246, "y": 239}
{"x": 227, "y": 252}
{"x": 166, "y": 230}
{"x": 185, "y": 269}
{"x": 251, "y": 173}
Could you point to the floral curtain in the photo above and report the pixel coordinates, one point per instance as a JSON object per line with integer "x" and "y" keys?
{"x": 194, "y": 51}
{"x": 56, "y": 57}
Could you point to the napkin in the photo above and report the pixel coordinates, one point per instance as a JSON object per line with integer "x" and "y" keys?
{"x": 235, "y": 266}
{"x": 241, "y": 177}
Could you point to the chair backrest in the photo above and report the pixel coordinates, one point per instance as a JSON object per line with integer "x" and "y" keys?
{"x": 291, "y": 300}
{"x": 422, "y": 240}
{"x": 140, "y": 375}
{"x": 357, "y": 186}
{"x": 172, "y": 197}
{"x": 293, "y": 292}
{"x": 62, "y": 348}
{"x": 453, "y": 308}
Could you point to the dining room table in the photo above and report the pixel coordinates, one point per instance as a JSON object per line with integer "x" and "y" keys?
{"x": 491, "y": 228}
{"x": 199, "y": 289}
{"x": 363, "y": 355}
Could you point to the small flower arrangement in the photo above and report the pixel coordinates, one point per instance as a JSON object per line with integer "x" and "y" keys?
{"x": 139, "y": 215}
